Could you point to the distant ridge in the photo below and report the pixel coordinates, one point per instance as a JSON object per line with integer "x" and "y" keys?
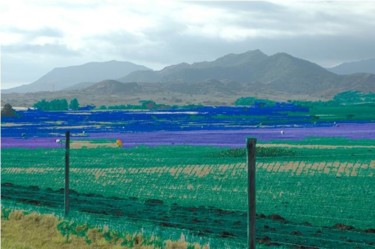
{"x": 252, "y": 66}
{"x": 66, "y": 77}
{"x": 219, "y": 82}
{"x": 280, "y": 72}
{"x": 228, "y": 67}
{"x": 363, "y": 66}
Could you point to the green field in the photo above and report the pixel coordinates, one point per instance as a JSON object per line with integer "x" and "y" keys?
{"x": 319, "y": 185}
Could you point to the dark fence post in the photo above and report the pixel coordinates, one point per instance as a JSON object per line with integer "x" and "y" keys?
{"x": 251, "y": 151}
{"x": 66, "y": 189}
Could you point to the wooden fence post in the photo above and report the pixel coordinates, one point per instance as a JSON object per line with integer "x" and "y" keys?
{"x": 251, "y": 153}
{"x": 66, "y": 189}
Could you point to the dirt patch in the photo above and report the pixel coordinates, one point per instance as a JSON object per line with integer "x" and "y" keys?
{"x": 154, "y": 202}
{"x": 226, "y": 234}
{"x": 265, "y": 240}
{"x": 276, "y": 217}
{"x": 89, "y": 144}
{"x": 297, "y": 233}
{"x": 343, "y": 227}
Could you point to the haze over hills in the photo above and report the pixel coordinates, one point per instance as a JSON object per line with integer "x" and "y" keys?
{"x": 363, "y": 66}
{"x": 86, "y": 74}
{"x": 279, "y": 77}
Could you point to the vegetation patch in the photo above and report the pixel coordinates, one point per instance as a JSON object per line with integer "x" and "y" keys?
{"x": 29, "y": 231}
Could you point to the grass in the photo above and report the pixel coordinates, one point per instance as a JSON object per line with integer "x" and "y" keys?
{"x": 317, "y": 185}
{"x": 36, "y": 231}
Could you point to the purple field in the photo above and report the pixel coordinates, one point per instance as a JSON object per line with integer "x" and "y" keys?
{"x": 231, "y": 138}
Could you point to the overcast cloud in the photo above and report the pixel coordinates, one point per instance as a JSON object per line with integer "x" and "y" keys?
{"x": 38, "y": 35}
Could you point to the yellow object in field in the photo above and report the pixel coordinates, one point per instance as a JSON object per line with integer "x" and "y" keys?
{"x": 119, "y": 143}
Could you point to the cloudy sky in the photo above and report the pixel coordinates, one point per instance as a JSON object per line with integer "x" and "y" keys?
{"x": 38, "y": 35}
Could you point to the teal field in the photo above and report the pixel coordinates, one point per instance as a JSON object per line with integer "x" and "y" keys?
{"x": 312, "y": 193}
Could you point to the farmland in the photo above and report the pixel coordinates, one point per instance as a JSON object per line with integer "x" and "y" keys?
{"x": 185, "y": 172}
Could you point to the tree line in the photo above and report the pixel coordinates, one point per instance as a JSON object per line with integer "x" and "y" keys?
{"x": 57, "y": 105}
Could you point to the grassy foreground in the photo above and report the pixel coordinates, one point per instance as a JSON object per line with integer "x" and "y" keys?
{"x": 36, "y": 231}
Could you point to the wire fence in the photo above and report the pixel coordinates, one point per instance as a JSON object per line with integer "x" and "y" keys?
{"x": 168, "y": 198}
{"x": 313, "y": 197}
{"x": 318, "y": 201}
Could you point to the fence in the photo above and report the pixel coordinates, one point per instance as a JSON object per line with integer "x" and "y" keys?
{"x": 317, "y": 196}
{"x": 167, "y": 193}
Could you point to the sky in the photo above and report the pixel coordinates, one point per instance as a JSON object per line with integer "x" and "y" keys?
{"x": 37, "y": 36}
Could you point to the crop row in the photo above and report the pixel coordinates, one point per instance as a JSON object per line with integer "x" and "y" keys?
{"x": 337, "y": 168}
{"x": 316, "y": 198}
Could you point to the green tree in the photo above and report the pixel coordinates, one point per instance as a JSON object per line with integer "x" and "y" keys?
{"x": 53, "y": 105}
{"x": 74, "y": 105}
{"x": 58, "y": 104}
{"x": 251, "y": 101}
{"x": 41, "y": 105}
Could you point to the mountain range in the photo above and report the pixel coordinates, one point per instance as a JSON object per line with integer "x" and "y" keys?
{"x": 253, "y": 73}
{"x": 78, "y": 76}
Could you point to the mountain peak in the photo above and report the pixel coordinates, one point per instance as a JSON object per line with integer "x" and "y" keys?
{"x": 242, "y": 58}
{"x": 255, "y": 52}
{"x": 177, "y": 66}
